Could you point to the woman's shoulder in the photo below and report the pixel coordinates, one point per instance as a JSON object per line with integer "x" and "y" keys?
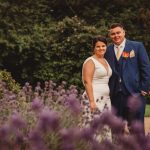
{"x": 87, "y": 59}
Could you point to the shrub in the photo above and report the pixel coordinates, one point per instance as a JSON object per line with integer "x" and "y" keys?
{"x": 8, "y": 83}
{"x": 49, "y": 116}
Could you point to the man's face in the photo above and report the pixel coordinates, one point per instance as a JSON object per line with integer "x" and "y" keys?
{"x": 117, "y": 35}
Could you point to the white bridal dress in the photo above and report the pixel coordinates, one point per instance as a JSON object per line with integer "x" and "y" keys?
{"x": 101, "y": 97}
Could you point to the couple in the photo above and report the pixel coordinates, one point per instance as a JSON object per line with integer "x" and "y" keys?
{"x": 121, "y": 71}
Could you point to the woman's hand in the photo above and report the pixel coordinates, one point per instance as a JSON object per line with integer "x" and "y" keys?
{"x": 93, "y": 106}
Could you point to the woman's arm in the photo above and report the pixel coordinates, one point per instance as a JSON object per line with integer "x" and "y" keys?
{"x": 88, "y": 71}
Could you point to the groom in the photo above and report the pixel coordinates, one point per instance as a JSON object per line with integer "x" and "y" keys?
{"x": 131, "y": 73}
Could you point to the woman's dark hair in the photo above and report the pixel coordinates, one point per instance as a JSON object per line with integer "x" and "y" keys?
{"x": 98, "y": 38}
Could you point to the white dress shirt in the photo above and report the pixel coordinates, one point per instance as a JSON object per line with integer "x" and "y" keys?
{"x": 121, "y": 47}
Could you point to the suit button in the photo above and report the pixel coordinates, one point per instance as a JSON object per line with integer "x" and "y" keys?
{"x": 120, "y": 80}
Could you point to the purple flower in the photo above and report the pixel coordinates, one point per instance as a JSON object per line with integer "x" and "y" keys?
{"x": 107, "y": 145}
{"x": 70, "y": 134}
{"x": 36, "y": 104}
{"x": 59, "y": 88}
{"x": 11, "y": 96}
{"x": 48, "y": 120}
{"x": 147, "y": 145}
{"x": 73, "y": 90}
{"x": 62, "y": 91}
{"x": 36, "y": 141}
{"x": 103, "y": 145}
{"x": 64, "y": 83}
{"x": 106, "y": 117}
{"x": 4, "y": 131}
{"x": 19, "y": 139}
{"x": 134, "y": 103}
{"x": 67, "y": 146}
{"x": 97, "y": 146}
{"x": 96, "y": 123}
{"x": 137, "y": 127}
{"x": 38, "y": 88}
{"x": 129, "y": 142}
{"x": 35, "y": 136}
{"x": 116, "y": 124}
{"x": 27, "y": 84}
{"x": 66, "y": 135}
{"x": 55, "y": 93}
{"x": 24, "y": 89}
{"x": 87, "y": 134}
{"x": 74, "y": 104}
{"x": 17, "y": 121}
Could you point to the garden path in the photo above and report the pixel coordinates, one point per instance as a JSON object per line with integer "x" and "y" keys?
{"x": 147, "y": 125}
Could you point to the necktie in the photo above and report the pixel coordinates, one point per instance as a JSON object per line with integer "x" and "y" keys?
{"x": 118, "y": 52}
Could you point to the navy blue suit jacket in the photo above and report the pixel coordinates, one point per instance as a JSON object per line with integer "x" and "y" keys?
{"x": 135, "y": 68}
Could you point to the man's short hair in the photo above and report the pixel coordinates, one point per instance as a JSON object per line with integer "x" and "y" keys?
{"x": 114, "y": 25}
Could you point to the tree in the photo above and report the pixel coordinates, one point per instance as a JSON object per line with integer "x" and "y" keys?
{"x": 41, "y": 40}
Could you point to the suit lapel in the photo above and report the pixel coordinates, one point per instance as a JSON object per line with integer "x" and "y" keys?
{"x": 127, "y": 49}
{"x": 114, "y": 59}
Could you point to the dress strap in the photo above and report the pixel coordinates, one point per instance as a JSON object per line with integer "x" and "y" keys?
{"x": 90, "y": 58}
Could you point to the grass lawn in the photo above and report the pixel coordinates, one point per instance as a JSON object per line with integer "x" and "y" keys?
{"x": 147, "y": 111}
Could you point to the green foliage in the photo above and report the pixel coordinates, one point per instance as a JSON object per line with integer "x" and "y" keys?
{"x": 42, "y": 40}
{"x": 11, "y": 84}
{"x": 147, "y": 111}
{"x": 70, "y": 46}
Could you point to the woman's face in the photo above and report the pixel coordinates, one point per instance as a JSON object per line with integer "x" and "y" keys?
{"x": 100, "y": 49}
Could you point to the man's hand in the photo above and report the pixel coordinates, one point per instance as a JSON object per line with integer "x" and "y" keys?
{"x": 144, "y": 93}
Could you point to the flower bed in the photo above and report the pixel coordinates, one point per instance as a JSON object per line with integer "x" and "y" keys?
{"x": 49, "y": 117}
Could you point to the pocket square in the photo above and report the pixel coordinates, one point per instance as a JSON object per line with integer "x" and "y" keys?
{"x": 132, "y": 53}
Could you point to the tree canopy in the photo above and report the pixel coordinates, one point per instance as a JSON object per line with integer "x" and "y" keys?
{"x": 42, "y": 40}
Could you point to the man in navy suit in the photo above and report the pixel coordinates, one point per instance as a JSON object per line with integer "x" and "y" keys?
{"x": 131, "y": 73}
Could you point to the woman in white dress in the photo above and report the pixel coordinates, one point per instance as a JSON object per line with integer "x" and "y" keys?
{"x": 95, "y": 76}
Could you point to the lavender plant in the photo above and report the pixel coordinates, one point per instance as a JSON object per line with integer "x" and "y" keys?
{"x": 48, "y": 117}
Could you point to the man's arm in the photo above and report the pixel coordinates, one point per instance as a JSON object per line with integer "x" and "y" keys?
{"x": 144, "y": 68}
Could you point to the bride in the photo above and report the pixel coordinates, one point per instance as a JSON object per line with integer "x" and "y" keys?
{"x": 95, "y": 76}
